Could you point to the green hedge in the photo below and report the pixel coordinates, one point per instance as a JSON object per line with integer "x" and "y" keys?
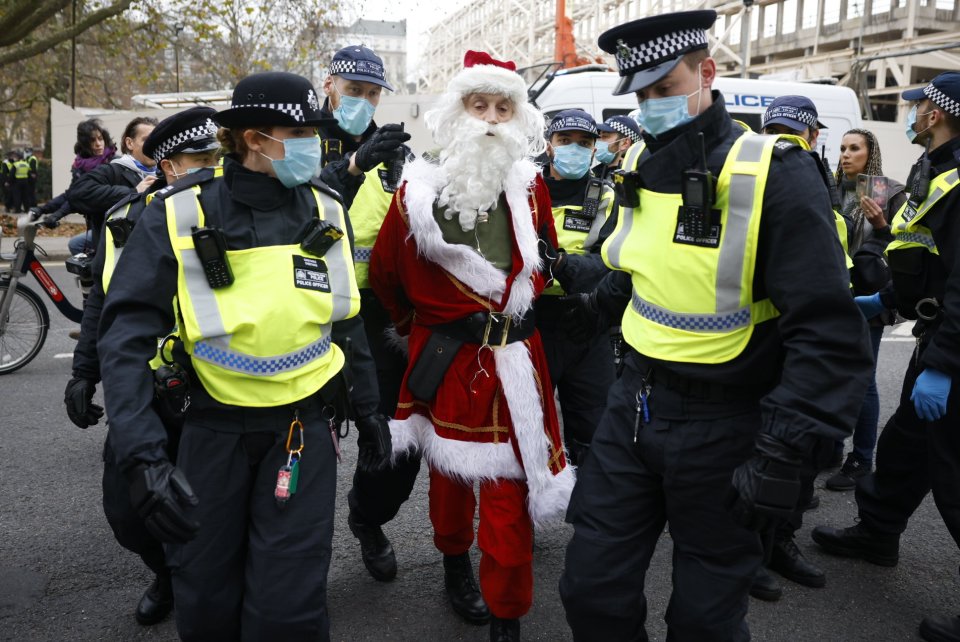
{"x": 44, "y": 181}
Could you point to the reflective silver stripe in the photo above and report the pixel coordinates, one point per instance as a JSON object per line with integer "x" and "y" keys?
{"x": 187, "y": 215}
{"x": 217, "y": 353}
{"x": 632, "y": 156}
{"x": 916, "y": 237}
{"x": 338, "y": 268}
{"x": 618, "y": 238}
{"x": 721, "y": 322}
{"x": 361, "y": 254}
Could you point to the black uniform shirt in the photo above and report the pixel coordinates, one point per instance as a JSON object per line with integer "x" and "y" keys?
{"x": 811, "y": 364}
{"x": 252, "y": 210}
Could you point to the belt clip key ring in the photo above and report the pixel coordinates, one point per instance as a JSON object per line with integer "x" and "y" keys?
{"x": 289, "y": 473}
{"x": 329, "y": 415}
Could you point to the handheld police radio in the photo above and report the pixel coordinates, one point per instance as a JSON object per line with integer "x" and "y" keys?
{"x": 919, "y": 179}
{"x": 212, "y": 252}
{"x": 393, "y": 169}
{"x": 697, "y": 192}
{"x": 591, "y": 199}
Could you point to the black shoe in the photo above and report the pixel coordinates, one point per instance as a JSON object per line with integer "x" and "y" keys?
{"x": 835, "y": 460}
{"x": 504, "y": 630}
{"x": 852, "y": 470}
{"x": 765, "y": 586}
{"x": 157, "y": 601}
{"x": 882, "y": 549}
{"x": 939, "y": 628}
{"x": 462, "y": 589}
{"x": 375, "y": 550}
{"x": 786, "y": 559}
{"x": 813, "y": 504}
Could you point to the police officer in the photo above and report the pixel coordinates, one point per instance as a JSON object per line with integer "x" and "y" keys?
{"x": 582, "y": 371}
{"x": 260, "y": 262}
{"x": 919, "y": 448}
{"x": 6, "y": 170}
{"x": 181, "y": 144}
{"x": 21, "y": 182}
{"x": 358, "y": 161}
{"x": 733, "y": 331}
{"x": 617, "y": 133}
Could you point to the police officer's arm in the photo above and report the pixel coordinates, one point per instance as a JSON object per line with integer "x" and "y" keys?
{"x": 136, "y": 311}
{"x": 943, "y": 351}
{"x": 86, "y": 359}
{"x": 827, "y": 357}
{"x": 336, "y": 174}
{"x": 582, "y": 272}
{"x": 95, "y": 192}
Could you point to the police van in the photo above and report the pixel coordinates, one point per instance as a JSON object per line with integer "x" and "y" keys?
{"x": 590, "y": 88}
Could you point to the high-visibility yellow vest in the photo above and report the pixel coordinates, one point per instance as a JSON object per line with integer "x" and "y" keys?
{"x": 21, "y": 169}
{"x": 842, "y": 233}
{"x": 367, "y": 212}
{"x": 694, "y": 303}
{"x": 575, "y": 234}
{"x": 264, "y": 340}
{"x": 908, "y": 231}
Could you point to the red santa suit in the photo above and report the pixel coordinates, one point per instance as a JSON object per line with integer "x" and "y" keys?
{"x": 493, "y": 418}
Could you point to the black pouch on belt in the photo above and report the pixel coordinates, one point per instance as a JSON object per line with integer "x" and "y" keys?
{"x": 432, "y": 365}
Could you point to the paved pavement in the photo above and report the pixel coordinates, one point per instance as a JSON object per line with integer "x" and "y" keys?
{"x": 63, "y": 577}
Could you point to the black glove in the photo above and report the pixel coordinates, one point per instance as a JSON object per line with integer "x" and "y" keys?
{"x": 157, "y": 492}
{"x": 766, "y": 487}
{"x": 550, "y": 256}
{"x": 34, "y": 213}
{"x": 583, "y": 319}
{"x": 381, "y": 146}
{"x": 374, "y": 442}
{"x": 76, "y": 397}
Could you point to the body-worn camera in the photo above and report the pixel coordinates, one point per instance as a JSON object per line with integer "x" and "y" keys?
{"x": 320, "y": 236}
{"x": 627, "y": 185}
{"x": 120, "y": 229}
{"x": 172, "y": 388}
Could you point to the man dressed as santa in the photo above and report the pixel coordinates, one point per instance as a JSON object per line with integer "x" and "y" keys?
{"x": 457, "y": 264}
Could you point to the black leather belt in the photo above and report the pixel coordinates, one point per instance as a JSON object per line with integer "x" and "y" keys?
{"x": 488, "y": 328}
{"x": 704, "y": 390}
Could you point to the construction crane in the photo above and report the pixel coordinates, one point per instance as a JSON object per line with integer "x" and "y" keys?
{"x": 565, "y": 49}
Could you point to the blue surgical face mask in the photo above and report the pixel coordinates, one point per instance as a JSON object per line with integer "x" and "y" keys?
{"x": 300, "y": 162}
{"x": 911, "y": 121}
{"x": 659, "y": 115}
{"x": 603, "y": 154}
{"x": 354, "y": 115}
{"x": 572, "y": 161}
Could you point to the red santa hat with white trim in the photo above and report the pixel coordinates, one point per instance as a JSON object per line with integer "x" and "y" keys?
{"x": 483, "y": 74}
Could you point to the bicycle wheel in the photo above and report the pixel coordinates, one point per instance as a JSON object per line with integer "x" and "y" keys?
{"x": 26, "y": 328}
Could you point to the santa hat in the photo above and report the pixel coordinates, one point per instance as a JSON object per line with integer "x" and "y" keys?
{"x": 483, "y": 74}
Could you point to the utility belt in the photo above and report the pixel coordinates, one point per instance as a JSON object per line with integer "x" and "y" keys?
{"x": 492, "y": 329}
{"x": 695, "y": 390}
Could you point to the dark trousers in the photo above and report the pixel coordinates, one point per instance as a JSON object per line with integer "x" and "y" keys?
{"x": 582, "y": 374}
{"x": 376, "y": 496}
{"x": 677, "y": 471}
{"x": 914, "y": 457}
{"x": 255, "y": 571}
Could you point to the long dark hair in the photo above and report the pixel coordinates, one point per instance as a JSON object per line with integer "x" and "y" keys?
{"x": 85, "y": 132}
{"x": 131, "y": 130}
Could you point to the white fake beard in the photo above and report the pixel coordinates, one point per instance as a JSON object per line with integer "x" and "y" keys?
{"x": 475, "y": 166}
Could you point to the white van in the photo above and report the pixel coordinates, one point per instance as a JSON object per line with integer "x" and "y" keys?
{"x": 590, "y": 89}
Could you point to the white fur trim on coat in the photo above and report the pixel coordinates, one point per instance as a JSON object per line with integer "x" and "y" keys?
{"x": 490, "y": 79}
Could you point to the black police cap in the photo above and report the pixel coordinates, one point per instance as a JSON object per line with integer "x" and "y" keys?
{"x": 944, "y": 91}
{"x": 273, "y": 98}
{"x": 191, "y": 131}
{"x": 648, "y": 49}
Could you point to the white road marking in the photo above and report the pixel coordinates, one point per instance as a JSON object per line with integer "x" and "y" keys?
{"x": 63, "y": 355}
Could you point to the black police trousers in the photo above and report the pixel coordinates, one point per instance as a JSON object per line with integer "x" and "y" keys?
{"x": 677, "y": 468}
{"x": 376, "y": 496}
{"x": 582, "y": 374}
{"x": 913, "y": 458}
{"x": 255, "y": 571}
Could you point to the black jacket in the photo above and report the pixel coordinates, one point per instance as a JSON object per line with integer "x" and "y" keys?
{"x": 334, "y": 172}
{"x": 96, "y": 192}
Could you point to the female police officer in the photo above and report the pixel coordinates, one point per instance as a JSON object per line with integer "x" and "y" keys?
{"x": 266, "y": 305}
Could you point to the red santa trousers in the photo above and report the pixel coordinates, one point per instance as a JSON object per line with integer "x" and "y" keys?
{"x": 505, "y": 537}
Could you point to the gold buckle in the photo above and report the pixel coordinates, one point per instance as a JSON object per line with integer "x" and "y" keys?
{"x": 506, "y": 328}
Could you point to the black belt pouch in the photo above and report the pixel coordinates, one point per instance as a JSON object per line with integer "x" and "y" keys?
{"x": 432, "y": 365}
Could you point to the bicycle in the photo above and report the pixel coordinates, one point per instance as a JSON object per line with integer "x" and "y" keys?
{"x": 24, "y": 320}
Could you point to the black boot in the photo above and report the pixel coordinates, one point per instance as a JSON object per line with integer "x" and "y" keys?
{"x": 939, "y": 629}
{"x": 504, "y": 630}
{"x": 882, "y": 549}
{"x": 375, "y": 550}
{"x": 157, "y": 601}
{"x": 765, "y": 586}
{"x": 462, "y": 589}
{"x": 786, "y": 559}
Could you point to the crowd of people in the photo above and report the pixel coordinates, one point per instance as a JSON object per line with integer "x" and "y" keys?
{"x": 629, "y": 323}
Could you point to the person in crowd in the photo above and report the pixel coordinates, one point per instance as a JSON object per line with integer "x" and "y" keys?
{"x": 269, "y": 337}
{"x": 868, "y": 225}
{"x": 457, "y": 265}
{"x": 617, "y": 133}
{"x": 582, "y": 371}
{"x": 919, "y": 447}
{"x": 356, "y": 159}
{"x": 20, "y": 182}
{"x": 6, "y": 168}
{"x": 100, "y": 189}
{"x": 731, "y": 335}
{"x": 181, "y": 145}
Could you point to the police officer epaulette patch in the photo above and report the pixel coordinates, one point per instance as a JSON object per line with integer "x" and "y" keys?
{"x": 326, "y": 189}
{"x": 205, "y": 175}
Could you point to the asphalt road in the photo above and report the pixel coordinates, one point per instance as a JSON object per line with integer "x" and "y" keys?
{"x": 63, "y": 577}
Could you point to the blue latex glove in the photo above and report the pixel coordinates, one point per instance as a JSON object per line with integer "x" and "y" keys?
{"x": 870, "y": 306}
{"x": 930, "y": 394}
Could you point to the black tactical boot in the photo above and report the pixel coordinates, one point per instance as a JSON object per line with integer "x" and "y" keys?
{"x": 882, "y": 549}
{"x": 504, "y": 630}
{"x": 157, "y": 601}
{"x": 462, "y": 589}
{"x": 853, "y": 469}
{"x": 765, "y": 586}
{"x": 786, "y": 559}
{"x": 375, "y": 550}
{"x": 940, "y": 628}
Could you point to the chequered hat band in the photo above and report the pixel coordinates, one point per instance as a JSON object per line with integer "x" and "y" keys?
{"x": 624, "y": 130}
{"x": 294, "y": 110}
{"x": 201, "y": 132}
{"x": 568, "y": 123}
{"x": 631, "y": 59}
{"x": 360, "y": 67}
{"x": 942, "y": 100}
{"x": 804, "y": 116}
